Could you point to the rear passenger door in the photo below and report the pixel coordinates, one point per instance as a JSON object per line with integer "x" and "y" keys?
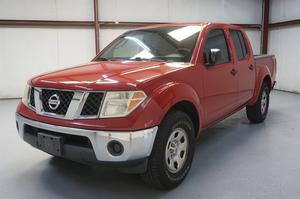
{"x": 244, "y": 65}
{"x": 220, "y": 86}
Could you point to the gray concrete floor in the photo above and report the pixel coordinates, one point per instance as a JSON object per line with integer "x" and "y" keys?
{"x": 233, "y": 159}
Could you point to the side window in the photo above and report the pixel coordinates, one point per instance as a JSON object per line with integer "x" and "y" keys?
{"x": 216, "y": 40}
{"x": 239, "y": 43}
{"x": 242, "y": 40}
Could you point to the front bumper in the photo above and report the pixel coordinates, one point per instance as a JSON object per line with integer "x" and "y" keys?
{"x": 137, "y": 144}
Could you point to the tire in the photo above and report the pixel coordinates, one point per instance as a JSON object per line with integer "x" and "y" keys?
{"x": 257, "y": 112}
{"x": 175, "y": 140}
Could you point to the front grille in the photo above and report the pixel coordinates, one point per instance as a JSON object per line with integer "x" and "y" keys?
{"x": 92, "y": 104}
{"x": 65, "y": 98}
{"x": 56, "y": 103}
{"x": 31, "y": 97}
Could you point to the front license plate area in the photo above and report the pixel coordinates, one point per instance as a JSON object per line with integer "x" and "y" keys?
{"x": 50, "y": 143}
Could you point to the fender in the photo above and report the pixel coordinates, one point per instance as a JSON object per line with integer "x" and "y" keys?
{"x": 261, "y": 73}
{"x": 171, "y": 93}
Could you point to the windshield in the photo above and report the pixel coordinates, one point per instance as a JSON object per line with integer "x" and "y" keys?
{"x": 169, "y": 43}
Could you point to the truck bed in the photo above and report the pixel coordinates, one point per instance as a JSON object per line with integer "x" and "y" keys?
{"x": 266, "y": 60}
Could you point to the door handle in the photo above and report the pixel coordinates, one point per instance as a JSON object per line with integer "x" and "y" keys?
{"x": 251, "y": 67}
{"x": 233, "y": 72}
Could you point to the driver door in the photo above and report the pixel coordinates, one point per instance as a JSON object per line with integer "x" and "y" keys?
{"x": 219, "y": 79}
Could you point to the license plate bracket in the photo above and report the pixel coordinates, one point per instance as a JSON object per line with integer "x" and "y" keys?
{"x": 51, "y": 144}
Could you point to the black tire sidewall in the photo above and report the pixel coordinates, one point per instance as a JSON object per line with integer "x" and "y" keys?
{"x": 174, "y": 120}
{"x": 265, "y": 88}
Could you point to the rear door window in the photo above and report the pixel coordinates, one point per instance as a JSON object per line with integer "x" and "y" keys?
{"x": 239, "y": 44}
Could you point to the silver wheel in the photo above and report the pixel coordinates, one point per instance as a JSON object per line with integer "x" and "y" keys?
{"x": 264, "y": 101}
{"x": 176, "y": 150}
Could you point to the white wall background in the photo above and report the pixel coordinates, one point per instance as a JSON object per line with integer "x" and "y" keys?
{"x": 227, "y": 11}
{"x": 284, "y": 10}
{"x": 27, "y": 51}
{"x": 47, "y": 9}
{"x": 284, "y": 43}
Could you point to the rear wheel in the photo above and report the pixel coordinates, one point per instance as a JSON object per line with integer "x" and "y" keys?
{"x": 257, "y": 112}
{"x": 172, "y": 152}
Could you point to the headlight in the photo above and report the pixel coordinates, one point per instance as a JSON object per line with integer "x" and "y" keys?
{"x": 26, "y": 95}
{"x": 121, "y": 103}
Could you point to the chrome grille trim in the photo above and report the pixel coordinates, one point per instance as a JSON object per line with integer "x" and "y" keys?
{"x": 38, "y": 101}
{"x": 74, "y": 109}
{"x": 29, "y": 98}
{"x": 76, "y": 105}
{"x": 31, "y": 102}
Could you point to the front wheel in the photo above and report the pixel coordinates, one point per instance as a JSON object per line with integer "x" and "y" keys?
{"x": 172, "y": 153}
{"x": 257, "y": 112}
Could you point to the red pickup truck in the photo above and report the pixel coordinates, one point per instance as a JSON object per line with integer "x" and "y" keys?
{"x": 142, "y": 102}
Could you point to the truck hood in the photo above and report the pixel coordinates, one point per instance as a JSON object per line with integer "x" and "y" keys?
{"x": 106, "y": 75}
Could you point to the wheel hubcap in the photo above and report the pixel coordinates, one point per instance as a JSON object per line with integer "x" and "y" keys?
{"x": 264, "y": 101}
{"x": 176, "y": 150}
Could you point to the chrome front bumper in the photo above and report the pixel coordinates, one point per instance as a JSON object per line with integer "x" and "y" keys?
{"x": 137, "y": 144}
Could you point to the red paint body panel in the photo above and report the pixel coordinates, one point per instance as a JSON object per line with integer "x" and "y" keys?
{"x": 213, "y": 91}
{"x": 111, "y": 75}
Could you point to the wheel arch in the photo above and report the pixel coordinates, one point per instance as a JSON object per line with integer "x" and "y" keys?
{"x": 263, "y": 75}
{"x": 182, "y": 97}
{"x": 189, "y": 109}
{"x": 268, "y": 80}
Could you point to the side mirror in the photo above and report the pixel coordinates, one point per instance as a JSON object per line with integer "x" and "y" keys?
{"x": 215, "y": 55}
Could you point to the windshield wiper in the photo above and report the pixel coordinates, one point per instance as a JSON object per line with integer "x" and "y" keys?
{"x": 157, "y": 59}
{"x": 148, "y": 59}
{"x": 103, "y": 59}
{"x": 108, "y": 59}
